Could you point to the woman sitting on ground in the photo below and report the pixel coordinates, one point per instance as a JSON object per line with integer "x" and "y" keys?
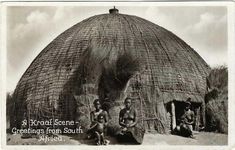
{"x": 187, "y": 120}
{"x": 128, "y": 123}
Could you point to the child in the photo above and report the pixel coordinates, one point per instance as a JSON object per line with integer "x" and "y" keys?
{"x": 98, "y": 129}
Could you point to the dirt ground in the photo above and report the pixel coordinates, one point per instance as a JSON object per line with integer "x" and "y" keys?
{"x": 202, "y": 138}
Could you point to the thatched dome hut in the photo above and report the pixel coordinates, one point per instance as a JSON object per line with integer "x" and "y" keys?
{"x": 112, "y": 56}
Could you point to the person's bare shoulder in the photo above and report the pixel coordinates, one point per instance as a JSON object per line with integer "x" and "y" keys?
{"x": 192, "y": 112}
{"x": 104, "y": 112}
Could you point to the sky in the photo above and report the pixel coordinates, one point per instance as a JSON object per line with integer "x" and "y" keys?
{"x": 32, "y": 28}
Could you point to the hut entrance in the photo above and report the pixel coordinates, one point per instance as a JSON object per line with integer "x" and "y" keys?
{"x": 176, "y": 109}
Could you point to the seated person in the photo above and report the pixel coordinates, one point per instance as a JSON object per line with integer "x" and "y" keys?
{"x": 128, "y": 123}
{"x": 127, "y": 116}
{"x": 187, "y": 121}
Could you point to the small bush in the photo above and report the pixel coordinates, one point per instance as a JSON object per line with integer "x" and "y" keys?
{"x": 217, "y": 100}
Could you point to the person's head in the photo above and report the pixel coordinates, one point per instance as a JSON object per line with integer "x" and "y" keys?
{"x": 97, "y": 104}
{"x": 187, "y": 107}
{"x": 127, "y": 102}
{"x": 100, "y": 118}
{"x": 188, "y": 104}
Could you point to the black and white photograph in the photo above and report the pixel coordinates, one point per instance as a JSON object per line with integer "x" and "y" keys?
{"x": 114, "y": 74}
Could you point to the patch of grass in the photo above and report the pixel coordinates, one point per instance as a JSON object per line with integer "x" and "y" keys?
{"x": 217, "y": 100}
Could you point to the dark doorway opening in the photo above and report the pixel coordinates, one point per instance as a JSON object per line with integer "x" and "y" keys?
{"x": 179, "y": 108}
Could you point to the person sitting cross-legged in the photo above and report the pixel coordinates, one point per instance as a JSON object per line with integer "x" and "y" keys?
{"x": 187, "y": 121}
{"x": 130, "y": 128}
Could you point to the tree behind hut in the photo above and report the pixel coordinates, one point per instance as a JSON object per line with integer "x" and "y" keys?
{"x": 9, "y": 106}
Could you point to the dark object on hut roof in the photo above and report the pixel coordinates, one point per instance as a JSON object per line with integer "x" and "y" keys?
{"x": 110, "y": 56}
{"x": 113, "y": 11}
